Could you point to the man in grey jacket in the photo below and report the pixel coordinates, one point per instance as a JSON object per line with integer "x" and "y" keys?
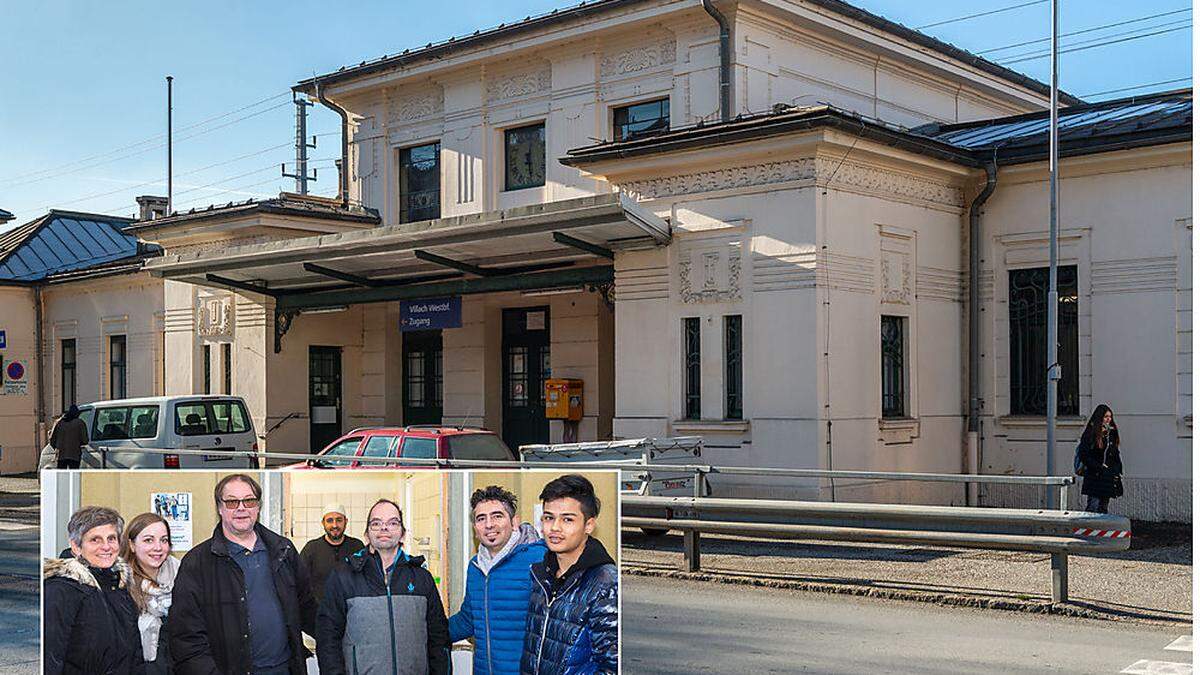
{"x": 382, "y": 612}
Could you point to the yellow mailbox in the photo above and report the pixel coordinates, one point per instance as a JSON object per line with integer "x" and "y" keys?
{"x": 564, "y": 399}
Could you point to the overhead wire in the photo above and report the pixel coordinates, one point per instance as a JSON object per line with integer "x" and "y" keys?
{"x": 1084, "y": 31}
{"x": 1079, "y": 47}
{"x": 1138, "y": 86}
{"x": 989, "y": 12}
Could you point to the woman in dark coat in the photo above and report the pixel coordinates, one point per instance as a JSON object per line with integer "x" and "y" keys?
{"x": 89, "y": 620}
{"x": 1099, "y": 453}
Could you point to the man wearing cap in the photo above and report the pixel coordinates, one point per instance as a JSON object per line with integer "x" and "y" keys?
{"x": 322, "y": 554}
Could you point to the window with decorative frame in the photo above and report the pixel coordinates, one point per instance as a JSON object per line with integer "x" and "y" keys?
{"x": 894, "y": 368}
{"x": 117, "y": 367}
{"x": 733, "y": 367}
{"x": 1027, "y": 323}
{"x": 691, "y": 368}
{"x": 639, "y": 120}
{"x": 68, "y": 369}
{"x": 421, "y": 182}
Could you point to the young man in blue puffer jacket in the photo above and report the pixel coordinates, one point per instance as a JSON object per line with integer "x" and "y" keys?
{"x": 498, "y": 583}
{"x": 573, "y": 619}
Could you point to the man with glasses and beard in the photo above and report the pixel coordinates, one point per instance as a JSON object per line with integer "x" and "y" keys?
{"x": 242, "y": 597}
{"x": 382, "y": 611}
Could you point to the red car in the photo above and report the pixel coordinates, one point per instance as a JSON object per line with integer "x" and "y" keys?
{"x": 418, "y": 442}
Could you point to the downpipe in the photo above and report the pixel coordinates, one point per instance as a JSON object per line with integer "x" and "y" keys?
{"x": 344, "y": 174}
{"x": 726, "y": 74}
{"x": 974, "y": 401}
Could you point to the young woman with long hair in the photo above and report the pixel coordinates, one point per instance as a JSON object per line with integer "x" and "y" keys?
{"x": 1099, "y": 452}
{"x": 147, "y": 550}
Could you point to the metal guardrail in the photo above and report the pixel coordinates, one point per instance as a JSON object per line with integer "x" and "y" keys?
{"x": 1059, "y": 533}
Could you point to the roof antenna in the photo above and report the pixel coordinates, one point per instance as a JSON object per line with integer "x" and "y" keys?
{"x": 470, "y": 413}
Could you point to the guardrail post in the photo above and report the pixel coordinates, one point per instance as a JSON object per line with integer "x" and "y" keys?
{"x": 691, "y": 550}
{"x": 1058, "y": 577}
{"x": 103, "y": 457}
{"x": 1064, "y": 496}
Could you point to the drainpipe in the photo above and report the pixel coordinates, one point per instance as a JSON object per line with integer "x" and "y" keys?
{"x": 726, "y": 60}
{"x": 974, "y": 401}
{"x": 344, "y": 174}
{"x": 39, "y": 312}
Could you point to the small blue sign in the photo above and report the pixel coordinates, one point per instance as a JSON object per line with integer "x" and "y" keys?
{"x": 3, "y": 340}
{"x": 431, "y": 314}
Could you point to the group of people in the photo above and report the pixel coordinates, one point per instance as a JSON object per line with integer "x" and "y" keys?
{"x": 117, "y": 601}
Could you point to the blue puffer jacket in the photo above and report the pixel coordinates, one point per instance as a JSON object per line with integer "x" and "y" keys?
{"x": 494, "y": 606}
{"x": 572, "y": 624}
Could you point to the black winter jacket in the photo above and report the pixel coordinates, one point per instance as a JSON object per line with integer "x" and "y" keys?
{"x": 209, "y": 627}
{"x": 1101, "y": 468}
{"x": 89, "y": 621}
{"x": 572, "y": 624}
{"x": 366, "y": 625}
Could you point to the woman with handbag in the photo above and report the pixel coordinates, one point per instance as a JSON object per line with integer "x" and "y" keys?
{"x": 1099, "y": 457}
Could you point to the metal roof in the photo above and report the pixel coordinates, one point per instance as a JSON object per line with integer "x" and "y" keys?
{"x": 64, "y": 241}
{"x": 5, "y": 216}
{"x": 286, "y": 204}
{"x": 1152, "y": 115}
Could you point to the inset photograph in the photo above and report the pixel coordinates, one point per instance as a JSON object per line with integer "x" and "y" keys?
{"x": 283, "y": 572}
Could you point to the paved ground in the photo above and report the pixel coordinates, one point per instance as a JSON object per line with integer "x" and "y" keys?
{"x": 1146, "y": 584}
{"x": 19, "y": 569}
{"x": 673, "y": 626}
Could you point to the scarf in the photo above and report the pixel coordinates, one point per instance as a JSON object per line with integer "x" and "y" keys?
{"x": 525, "y": 534}
{"x": 158, "y": 604}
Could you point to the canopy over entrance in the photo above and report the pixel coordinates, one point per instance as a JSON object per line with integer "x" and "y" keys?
{"x": 544, "y": 246}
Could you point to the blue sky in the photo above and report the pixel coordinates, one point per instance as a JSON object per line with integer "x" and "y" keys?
{"x": 83, "y": 118}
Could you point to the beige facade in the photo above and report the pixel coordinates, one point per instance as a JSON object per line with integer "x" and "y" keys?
{"x": 19, "y": 431}
{"x": 812, "y": 238}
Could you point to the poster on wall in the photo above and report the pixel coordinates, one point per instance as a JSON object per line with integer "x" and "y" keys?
{"x": 176, "y": 509}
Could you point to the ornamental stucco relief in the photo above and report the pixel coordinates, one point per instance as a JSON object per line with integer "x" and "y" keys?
{"x": 638, "y": 58}
{"x": 415, "y": 106}
{"x": 214, "y": 316}
{"x": 710, "y": 274}
{"x": 519, "y": 84}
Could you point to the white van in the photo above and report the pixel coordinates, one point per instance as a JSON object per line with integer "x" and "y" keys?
{"x": 118, "y": 430}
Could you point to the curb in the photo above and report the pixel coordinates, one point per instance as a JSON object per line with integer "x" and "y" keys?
{"x": 931, "y": 597}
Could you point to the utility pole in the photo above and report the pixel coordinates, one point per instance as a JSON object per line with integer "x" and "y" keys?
{"x": 302, "y": 147}
{"x": 1053, "y": 370}
{"x": 169, "y": 172}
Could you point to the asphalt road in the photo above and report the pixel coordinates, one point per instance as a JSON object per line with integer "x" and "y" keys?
{"x": 19, "y": 570}
{"x": 674, "y": 626}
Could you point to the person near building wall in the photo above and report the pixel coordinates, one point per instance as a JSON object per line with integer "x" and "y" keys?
{"x": 68, "y": 437}
{"x": 496, "y": 602}
{"x": 382, "y": 611}
{"x": 572, "y": 622}
{"x": 89, "y": 620}
{"x": 146, "y": 549}
{"x": 322, "y": 554}
{"x": 1099, "y": 455}
{"x": 242, "y": 597}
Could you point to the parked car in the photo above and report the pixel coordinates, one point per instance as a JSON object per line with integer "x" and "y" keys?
{"x": 121, "y": 430}
{"x": 417, "y": 442}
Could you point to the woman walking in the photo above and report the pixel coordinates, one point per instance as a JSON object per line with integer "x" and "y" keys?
{"x": 89, "y": 621}
{"x": 147, "y": 551}
{"x": 1100, "y": 456}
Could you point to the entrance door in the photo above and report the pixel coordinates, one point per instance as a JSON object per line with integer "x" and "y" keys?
{"x": 525, "y": 351}
{"x": 324, "y": 396}
{"x": 423, "y": 377}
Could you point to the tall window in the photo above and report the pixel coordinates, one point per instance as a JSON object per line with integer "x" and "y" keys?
{"x": 420, "y": 183}
{"x": 641, "y": 119}
{"x": 116, "y": 367}
{"x": 691, "y": 368}
{"x": 525, "y": 157}
{"x": 208, "y": 369}
{"x": 1027, "y": 340}
{"x": 891, "y": 351}
{"x": 227, "y": 366}
{"x": 68, "y": 374}
{"x": 733, "y": 367}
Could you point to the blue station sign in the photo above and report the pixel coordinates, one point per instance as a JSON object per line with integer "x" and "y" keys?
{"x": 431, "y": 314}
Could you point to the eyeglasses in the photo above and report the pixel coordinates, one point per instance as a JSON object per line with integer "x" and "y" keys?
{"x": 248, "y": 502}
{"x": 376, "y": 524}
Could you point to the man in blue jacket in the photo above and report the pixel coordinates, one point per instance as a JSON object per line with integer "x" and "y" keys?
{"x": 498, "y": 583}
{"x": 572, "y": 623}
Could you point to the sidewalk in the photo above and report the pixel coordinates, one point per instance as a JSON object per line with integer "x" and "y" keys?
{"x": 1152, "y": 584}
